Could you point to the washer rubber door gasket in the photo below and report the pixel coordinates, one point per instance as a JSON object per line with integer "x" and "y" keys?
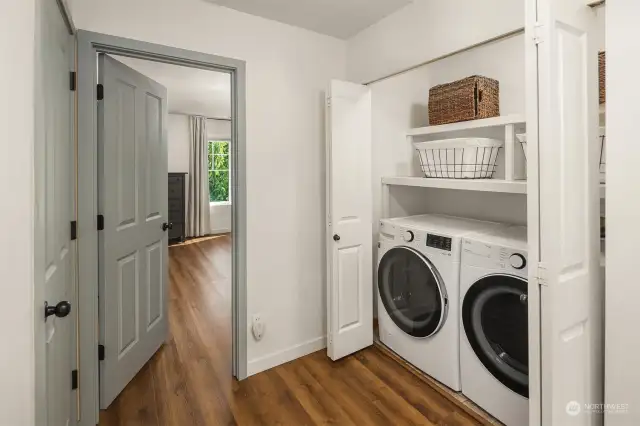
{"x": 412, "y": 291}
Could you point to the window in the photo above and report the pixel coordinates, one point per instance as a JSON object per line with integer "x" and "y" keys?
{"x": 218, "y": 171}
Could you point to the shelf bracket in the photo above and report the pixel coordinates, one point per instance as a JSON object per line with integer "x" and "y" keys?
{"x": 509, "y": 152}
{"x": 597, "y": 3}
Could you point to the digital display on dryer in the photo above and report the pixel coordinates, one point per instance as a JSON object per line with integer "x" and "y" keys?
{"x": 439, "y": 242}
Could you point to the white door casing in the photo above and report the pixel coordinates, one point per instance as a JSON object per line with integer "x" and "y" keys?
{"x": 349, "y": 217}
{"x": 55, "y": 202}
{"x": 132, "y": 197}
{"x": 563, "y": 201}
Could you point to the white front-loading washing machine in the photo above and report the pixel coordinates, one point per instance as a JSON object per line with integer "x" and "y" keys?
{"x": 494, "y": 333}
{"x": 418, "y": 291}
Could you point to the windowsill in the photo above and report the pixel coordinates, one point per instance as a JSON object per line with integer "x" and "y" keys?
{"x": 220, "y": 203}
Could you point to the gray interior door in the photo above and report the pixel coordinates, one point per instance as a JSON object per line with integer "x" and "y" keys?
{"x": 54, "y": 182}
{"x": 132, "y": 181}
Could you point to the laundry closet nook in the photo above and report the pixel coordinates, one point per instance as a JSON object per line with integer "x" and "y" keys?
{"x": 483, "y": 269}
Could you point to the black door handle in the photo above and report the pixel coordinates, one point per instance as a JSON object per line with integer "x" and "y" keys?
{"x": 61, "y": 310}
{"x": 166, "y": 226}
{"x": 336, "y": 237}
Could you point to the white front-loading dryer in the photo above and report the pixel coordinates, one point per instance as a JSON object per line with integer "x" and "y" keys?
{"x": 494, "y": 333}
{"x": 418, "y": 291}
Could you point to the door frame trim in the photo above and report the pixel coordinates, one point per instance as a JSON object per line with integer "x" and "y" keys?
{"x": 89, "y": 45}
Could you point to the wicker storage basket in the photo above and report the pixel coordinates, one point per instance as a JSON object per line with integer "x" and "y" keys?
{"x": 602, "y": 70}
{"x": 471, "y": 98}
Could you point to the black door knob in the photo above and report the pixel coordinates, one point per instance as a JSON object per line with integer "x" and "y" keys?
{"x": 166, "y": 226}
{"x": 61, "y": 310}
{"x": 336, "y": 237}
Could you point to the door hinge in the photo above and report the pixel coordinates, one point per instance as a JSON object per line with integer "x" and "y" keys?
{"x": 100, "y": 352}
{"x": 74, "y": 230}
{"x": 72, "y": 81}
{"x": 541, "y": 275}
{"x": 328, "y": 102}
{"x": 100, "y": 222}
{"x": 74, "y": 380}
{"x": 100, "y": 92}
{"x": 537, "y": 33}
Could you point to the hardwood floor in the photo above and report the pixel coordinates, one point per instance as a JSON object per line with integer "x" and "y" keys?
{"x": 189, "y": 382}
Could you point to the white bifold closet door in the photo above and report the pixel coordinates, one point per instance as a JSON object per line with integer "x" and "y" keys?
{"x": 349, "y": 216}
{"x": 566, "y": 373}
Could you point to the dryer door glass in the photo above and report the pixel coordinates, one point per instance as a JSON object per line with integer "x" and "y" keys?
{"x": 494, "y": 316}
{"x": 412, "y": 291}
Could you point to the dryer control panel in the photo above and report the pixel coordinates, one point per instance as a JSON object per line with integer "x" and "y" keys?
{"x": 495, "y": 257}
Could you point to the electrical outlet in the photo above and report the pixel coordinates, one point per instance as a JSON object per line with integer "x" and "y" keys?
{"x": 257, "y": 326}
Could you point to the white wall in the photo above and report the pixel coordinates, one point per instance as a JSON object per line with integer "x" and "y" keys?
{"x": 427, "y": 29}
{"x": 622, "y": 371}
{"x": 288, "y": 70}
{"x": 178, "y": 135}
{"x": 178, "y": 143}
{"x": 17, "y": 119}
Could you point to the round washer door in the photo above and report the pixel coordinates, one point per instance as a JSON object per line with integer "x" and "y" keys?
{"x": 495, "y": 320}
{"x": 412, "y": 291}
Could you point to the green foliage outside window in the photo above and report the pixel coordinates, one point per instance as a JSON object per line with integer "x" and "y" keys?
{"x": 218, "y": 171}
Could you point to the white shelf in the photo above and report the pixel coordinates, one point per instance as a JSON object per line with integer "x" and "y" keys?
{"x": 487, "y": 185}
{"x": 500, "y": 121}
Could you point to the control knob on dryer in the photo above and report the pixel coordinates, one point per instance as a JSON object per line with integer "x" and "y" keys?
{"x": 408, "y": 236}
{"x": 517, "y": 261}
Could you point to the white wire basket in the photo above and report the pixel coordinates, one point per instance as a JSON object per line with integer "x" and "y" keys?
{"x": 603, "y": 158}
{"x": 461, "y": 158}
{"x": 522, "y": 138}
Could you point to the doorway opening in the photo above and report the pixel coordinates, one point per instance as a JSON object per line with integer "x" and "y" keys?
{"x": 197, "y": 128}
{"x": 165, "y": 129}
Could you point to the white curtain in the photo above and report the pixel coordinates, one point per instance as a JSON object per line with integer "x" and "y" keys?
{"x": 198, "y": 204}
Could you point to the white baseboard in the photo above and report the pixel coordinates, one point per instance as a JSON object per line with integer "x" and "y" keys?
{"x": 277, "y": 358}
{"x": 220, "y": 231}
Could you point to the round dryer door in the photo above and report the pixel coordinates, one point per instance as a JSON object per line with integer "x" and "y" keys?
{"x": 494, "y": 316}
{"x": 412, "y": 291}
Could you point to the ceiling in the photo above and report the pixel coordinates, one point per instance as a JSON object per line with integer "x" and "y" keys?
{"x": 190, "y": 91}
{"x": 337, "y": 18}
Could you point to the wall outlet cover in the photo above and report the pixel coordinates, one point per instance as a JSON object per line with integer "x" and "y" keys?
{"x": 257, "y": 327}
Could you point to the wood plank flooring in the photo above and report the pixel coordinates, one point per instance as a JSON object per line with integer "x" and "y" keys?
{"x": 189, "y": 382}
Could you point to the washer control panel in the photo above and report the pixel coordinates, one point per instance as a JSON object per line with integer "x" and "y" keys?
{"x": 496, "y": 257}
{"x": 421, "y": 240}
{"x": 439, "y": 242}
{"x": 517, "y": 261}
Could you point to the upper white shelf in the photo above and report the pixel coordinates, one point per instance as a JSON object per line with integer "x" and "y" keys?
{"x": 502, "y": 120}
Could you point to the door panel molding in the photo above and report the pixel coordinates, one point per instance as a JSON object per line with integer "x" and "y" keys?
{"x": 89, "y": 45}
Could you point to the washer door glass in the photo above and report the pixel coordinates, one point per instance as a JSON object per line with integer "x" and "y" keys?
{"x": 412, "y": 291}
{"x": 494, "y": 315}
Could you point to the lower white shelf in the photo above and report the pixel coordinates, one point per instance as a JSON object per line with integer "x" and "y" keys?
{"x": 487, "y": 185}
